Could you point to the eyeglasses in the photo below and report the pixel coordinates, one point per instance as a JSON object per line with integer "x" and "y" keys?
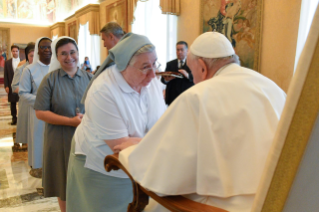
{"x": 155, "y": 67}
{"x": 66, "y": 54}
{"x": 45, "y": 47}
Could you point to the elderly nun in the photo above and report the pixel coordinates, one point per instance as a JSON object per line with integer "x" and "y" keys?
{"x": 123, "y": 103}
{"x": 58, "y": 104}
{"x": 23, "y": 111}
{"x": 30, "y": 80}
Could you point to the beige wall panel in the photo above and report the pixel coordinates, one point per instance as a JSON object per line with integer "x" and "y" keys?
{"x": 188, "y": 21}
{"x": 279, "y": 40}
{"x": 24, "y": 34}
{"x": 58, "y": 29}
{"x": 69, "y": 20}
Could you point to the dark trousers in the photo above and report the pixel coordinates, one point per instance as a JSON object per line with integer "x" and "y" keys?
{"x": 13, "y": 108}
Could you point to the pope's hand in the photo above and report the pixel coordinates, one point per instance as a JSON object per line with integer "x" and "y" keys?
{"x": 124, "y": 145}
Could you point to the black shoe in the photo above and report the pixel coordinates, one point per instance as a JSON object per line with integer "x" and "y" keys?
{"x": 14, "y": 121}
{"x": 36, "y": 173}
{"x": 24, "y": 147}
{"x": 40, "y": 191}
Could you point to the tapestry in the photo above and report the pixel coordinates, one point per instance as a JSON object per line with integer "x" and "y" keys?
{"x": 239, "y": 21}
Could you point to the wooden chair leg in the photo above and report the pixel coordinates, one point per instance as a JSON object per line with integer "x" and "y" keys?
{"x": 140, "y": 199}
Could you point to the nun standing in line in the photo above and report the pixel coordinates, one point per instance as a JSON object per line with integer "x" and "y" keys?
{"x": 30, "y": 81}
{"x": 58, "y": 104}
{"x": 123, "y": 103}
{"x": 22, "y": 126}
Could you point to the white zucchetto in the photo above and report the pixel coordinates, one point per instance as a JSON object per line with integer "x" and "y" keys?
{"x": 212, "y": 45}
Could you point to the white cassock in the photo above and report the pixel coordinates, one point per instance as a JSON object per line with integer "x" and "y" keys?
{"x": 212, "y": 142}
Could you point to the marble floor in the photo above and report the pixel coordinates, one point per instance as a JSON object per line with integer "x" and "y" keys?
{"x": 18, "y": 189}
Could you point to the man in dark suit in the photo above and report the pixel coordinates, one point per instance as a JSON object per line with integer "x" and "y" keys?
{"x": 9, "y": 67}
{"x": 176, "y": 86}
{"x": 111, "y": 34}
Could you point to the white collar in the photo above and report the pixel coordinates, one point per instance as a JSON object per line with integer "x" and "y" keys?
{"x": 42, "y": 63}
{"x": 222, "y": 68}
{"x": 15, "y": 59}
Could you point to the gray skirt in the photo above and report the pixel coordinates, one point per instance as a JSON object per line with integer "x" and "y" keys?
{"x": 88, "y": 190}
{"x": 23, "y": 123}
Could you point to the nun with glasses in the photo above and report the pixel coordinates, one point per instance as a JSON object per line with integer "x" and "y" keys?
{"x": 31, "y": 78}
{"x": 23, "y": 110}
{"x": 58, "y": 104}
{"x": 122, "y": 104}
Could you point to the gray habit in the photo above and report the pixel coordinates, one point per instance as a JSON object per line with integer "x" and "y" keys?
{"x": 17, "y": 76}
{"x": 29, "y": 84}
{"x": 23, "y": 111}
{"x": 60, "y": 94}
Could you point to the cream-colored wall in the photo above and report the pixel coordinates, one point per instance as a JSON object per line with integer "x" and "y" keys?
{"x": 279, "y": 40}
{"x": 20, "y": 33}
{"x": 279, "y": 35}
{"x": 188, "y": 22}
{"x": 67, "y": 22}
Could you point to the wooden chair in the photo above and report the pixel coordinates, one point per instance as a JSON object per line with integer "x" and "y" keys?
{"x": 290, "y": 182}
{"x": 141, "y": 195}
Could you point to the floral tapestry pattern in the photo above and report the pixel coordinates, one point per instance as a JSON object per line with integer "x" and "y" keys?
{"x": 239, "y": 21}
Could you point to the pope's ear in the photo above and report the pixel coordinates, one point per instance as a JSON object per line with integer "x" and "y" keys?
{"x": 203, "y": 66}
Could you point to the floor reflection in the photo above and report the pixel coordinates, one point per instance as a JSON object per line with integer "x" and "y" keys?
{"x": 17, "y": 187}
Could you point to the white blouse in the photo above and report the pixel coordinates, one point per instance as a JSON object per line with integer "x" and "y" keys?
{"x": 114, "y": 110}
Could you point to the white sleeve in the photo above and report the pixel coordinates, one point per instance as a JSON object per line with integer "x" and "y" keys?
{"x": 104, "y": 113}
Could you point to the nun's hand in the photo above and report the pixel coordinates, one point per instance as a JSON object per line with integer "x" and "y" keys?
{"x": 76, "y": 120}
{"x": 124, "y": 145}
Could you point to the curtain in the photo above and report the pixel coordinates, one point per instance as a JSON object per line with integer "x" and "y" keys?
{"x": 94, "y": 19}
{"x": 54, "y": 37}
{"x": 308, "y": 8}
{"x": 89, "y": 46}
{"x": 171, "y": 7}
{"x": 91, "y": 14}
{"x": 160, "y": 28}
{"x": 131, "y": 8}
{"x": 55, "y": 32}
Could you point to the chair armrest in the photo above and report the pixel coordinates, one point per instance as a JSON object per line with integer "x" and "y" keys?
{"x": 140, "y": 199}
{"x": 173, "y": 203}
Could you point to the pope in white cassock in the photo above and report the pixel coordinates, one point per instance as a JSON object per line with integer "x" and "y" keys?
{"x": 212, "y": 143}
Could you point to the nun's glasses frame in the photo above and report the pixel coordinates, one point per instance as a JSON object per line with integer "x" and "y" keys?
{"x": 66, "y": 54}
{"x": 155, "y": 67}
